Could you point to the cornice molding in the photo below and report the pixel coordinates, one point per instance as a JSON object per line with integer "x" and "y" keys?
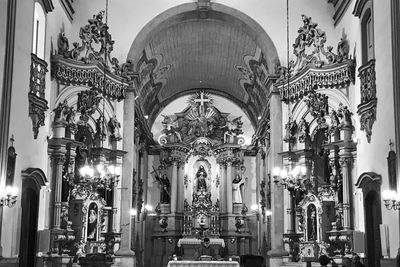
{"x": 72, "y": 72}
{"x": 312, "y": 78}
{"x": 359, "y": 7}
{"x": 48, "y": 5}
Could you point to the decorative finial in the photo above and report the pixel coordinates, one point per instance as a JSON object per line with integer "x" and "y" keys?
{"x": 12, "y": 140}
{"x": 391, "y": 145}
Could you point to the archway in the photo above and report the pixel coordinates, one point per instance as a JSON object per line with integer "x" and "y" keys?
{"x": 33, "y": 180}
{"x": 225, "y": 52}
{"x": 370, "y": 183}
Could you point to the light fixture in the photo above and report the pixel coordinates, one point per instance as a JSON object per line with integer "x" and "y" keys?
{"x": 290, "y": 180}
{"x": 103, "y": 175}
{"x": 10, "y": 197}
{"x": 391, "y": 199}
{"x": 133, "y": 212}
{"x": 147, "y": 208}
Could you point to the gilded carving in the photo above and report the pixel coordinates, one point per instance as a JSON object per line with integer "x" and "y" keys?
{"x": 367, "y": 109}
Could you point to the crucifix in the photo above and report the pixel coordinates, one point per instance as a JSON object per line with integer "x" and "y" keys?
{"x": 202, "y": 100}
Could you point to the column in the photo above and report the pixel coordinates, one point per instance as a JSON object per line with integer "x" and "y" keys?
{"x": 181, "y": 173}
{"x": 58, "y": 162}
{"x": 145, "y": 185}
{"x": 125, "y": 252}
{"x": 346, "y": 167}
{"x": 174, "y": 187}
{"x": 258, "y": 187}
{"x": 291, "y": 213}
{"x": 277, "y": 205}
{"x": 228, "y": 189}
{"x": 6, "y": 98}
{"x": 222, "y": 186}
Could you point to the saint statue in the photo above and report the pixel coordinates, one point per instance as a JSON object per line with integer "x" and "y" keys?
{"x": 201, "y": 176}
{"x": 165, "y": 187}
{"x": 92, "y": 223}
{"x": 236, "y": 192}
{"x": 311, "y": 223}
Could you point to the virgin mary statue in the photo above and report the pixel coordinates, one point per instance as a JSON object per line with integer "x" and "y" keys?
{"x": 201, "y": 176}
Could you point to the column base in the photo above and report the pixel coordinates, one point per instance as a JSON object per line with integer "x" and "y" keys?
{"x": 125, "y": 261}
{"x": 96, "y": 260}
{"x": 58, "y": 261}
{"x": 276, "y": 256}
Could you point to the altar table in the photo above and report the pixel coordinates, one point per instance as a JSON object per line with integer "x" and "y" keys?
{"x": 203, "y": 264}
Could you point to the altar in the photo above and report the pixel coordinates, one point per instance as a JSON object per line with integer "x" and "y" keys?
{"x": 203, "y": 264}
{"x": 190, "y": 245}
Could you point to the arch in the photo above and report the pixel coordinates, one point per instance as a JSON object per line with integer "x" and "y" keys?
{"x": 171, "y": 82}
{"x": 169, "y": 16}
{"x": 36, "y": 176}
{"x": 369, "y": 181}
{"x": 370, "y": 184}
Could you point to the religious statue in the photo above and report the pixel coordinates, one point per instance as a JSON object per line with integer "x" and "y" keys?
{"x": 311, "y": 223}
{"x": 201, "y": 176}
{"x": 291, "y": 128}
{"x": 165, "y": 189}
{"x": 304, "y": 132}
{"x": 344, "y": 115}
{"x": 236, "y": 192}
{"x": 92, "y": 223}
{"x": 114, "y": 125}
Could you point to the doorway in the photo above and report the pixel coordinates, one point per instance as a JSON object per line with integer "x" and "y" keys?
{"x": 30, "y": 205}
{"x": 370, "y": 184}
{"x": 373, "y": 219}
{"x": 32, "y": 181}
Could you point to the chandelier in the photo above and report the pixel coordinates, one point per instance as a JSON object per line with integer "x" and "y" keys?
{"x": 101, "y": 176}
{"x": 290, "y": 180}
{"x": 391, "y": 199}
{"x": 10, "y": 197}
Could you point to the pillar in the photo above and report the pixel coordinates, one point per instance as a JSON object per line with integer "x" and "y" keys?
{"x": 125, "y": 254}
{"x": 277, "y": 205}
{"x": 222, "y": 186}
{"x": 174, "y": 187}
{"x": 58, "y": 163}
{"x": 291, "y": 213}
{"x": 181, "y": 173}
{"x": 6, "y": 99}
{"x": 228, "y": 189}
{"x": 346, "y": 168}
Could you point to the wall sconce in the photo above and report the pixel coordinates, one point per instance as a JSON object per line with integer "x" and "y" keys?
{"x": 255, "y": 209}
{"x": 147, "y": 208}
{"x": 391, "y": 199}
{"x": 10, "y": 197}
{"x": 133, "y": 212}
{"x": 289, "y": 180}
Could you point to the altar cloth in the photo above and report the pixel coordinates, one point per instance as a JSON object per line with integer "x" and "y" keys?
{"x": 203, "y": 264}
{"x": 195, "y": 241}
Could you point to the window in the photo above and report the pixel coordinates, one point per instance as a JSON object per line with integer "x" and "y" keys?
{"x": 367, "y": 37}
{"x": 39, "y": 30}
